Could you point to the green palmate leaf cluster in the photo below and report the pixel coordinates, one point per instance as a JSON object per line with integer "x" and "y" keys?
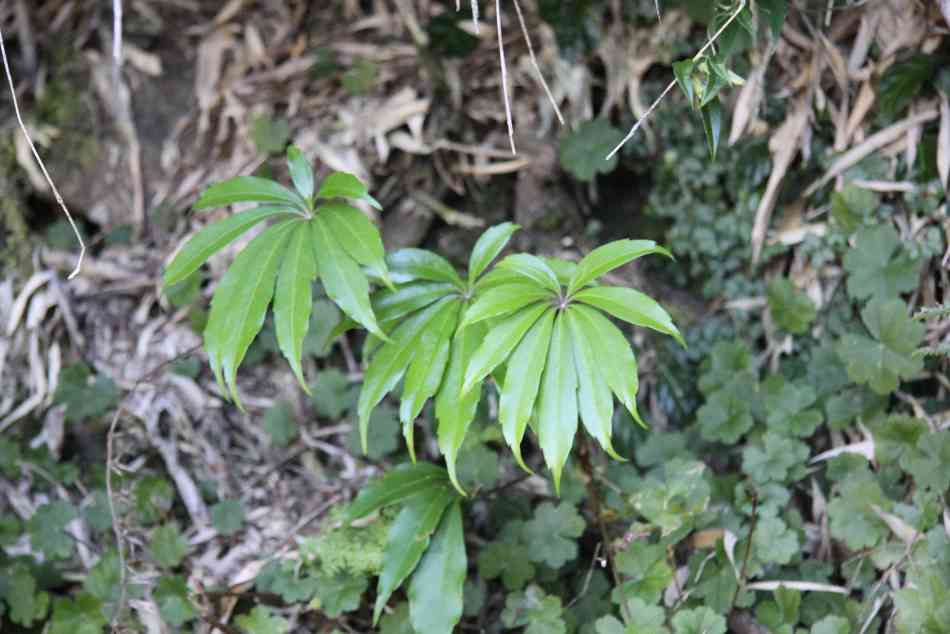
{"x": 312, "y": 235}
{"x": 540, "y": 326}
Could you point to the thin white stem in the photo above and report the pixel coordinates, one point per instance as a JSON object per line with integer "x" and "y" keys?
{"x": 712, "y": 40}
{"x": 36, "y": 155}
{"x": 504, "y": 78}
{"x": 475, "y": 14}
{"x": 657, "y": 4}
{"x": 117, "y": 35}
{"x": 534, "y": 62}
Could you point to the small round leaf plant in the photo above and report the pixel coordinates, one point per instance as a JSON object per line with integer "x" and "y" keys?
{"x": 540, "y": 327}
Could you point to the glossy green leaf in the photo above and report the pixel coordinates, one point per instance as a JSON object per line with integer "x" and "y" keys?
{"x": 342, "y": 278}
{"x": 499, "y": 343}
{"x": 408, "y": 539}
{"x": 425, "y": 372}
{"x": 595, "y": 401}
{"x": 398, "y": 485}
{"x": 631, "y": 306}
{"x": 557, "y": 402}
{"x": 504, "y": 300}
{"x": 213, "y": 238}
{"x": 453, "y": 409}
{"x": 408, "y": 265}
{"x": 345, "y": 185}
{"x": 358, "y": 236}
{"x": 240, "y": 303}
{"x": 523, "y": 379}
{"x": 293, "y": 299}
{"x": 390, "y": 363}
{"x": 683, "y": 71}
{"x": 391, "y": 306}
{"x": 712, "y": 124}
{"x": 532, "y": 268}
{"x": 301, "y": 172}
{"x": 249, "y": 189}
{"x": 618, "y": 365}
{"x": 488, "y": 247}
{"x": 606, "y": 258}
{"x": 435, "y": 592}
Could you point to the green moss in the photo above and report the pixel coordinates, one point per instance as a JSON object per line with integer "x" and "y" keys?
{"x": 351, "y": 549}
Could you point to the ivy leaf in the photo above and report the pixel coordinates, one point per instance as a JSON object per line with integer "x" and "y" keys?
{"x": 240, "y": 302}
{"x": 227, "y": 516}
{"x": 167, "y": 546}
{"x": 878, "y": 267}
{"x": 293, "y": 299}
{"x": 792, "y": 310}
{"x": 646, "y": 571}
{"x": 301, "y": 172}
{"x": 249, "y": 189}
{"x": 677, "y": 499}
{"x": 80, "y": 615}
{"x": 774, "y": 541}
{"x": 47, "y": 529}
{"x": 398, "y": 486}
{"x": 358, "y": 236}
{"x": 435, "y": 593}
{"x": 882, "y": 362}
{"x": 583, "y": 150}
{"x": 171, "y": 595}
{"x": 261, "y": 620}
{"x": 698, "y": 621}
{"x": 84, "y": 396}
{"x": 408, "y": 539}
{"x": 726, "y": 415}
{"x": 788, "y": 406}
{"x": 280, "y": 425}
{"x": 608, "y": 257}
{"x": 507, "y": 557}
{"x": 533, "y": 608}
{"x": 777, "y": 459}
{"x": 487, "y": 248}
{"x": 339, "y": 593}
{"x": 551, "y": 536}
{"x": 557, "y": 405}
{"x": 729, "y": 362}
{"x": 345, "y": 185}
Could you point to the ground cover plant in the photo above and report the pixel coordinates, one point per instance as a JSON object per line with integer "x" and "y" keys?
{"x": 384, "y": 397}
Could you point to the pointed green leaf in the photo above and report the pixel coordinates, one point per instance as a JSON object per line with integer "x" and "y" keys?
{"x": 488, "y": 247}
{"x": 398, "y": 485}
{"x": 557, "y": 404}
{"x": 409, "y": 265}
{"x": 249, "y": 189}
{"x": 301, "y": 172}
{"x": 608, "y": 257}
{"x": 345, "y": 185}
{"x": 424, "y": 376}
{"x": 358, "y": 236}
{"x": 390, "y": 363}
{"x": 595, "y": 401}
{"x": 499, "y": 343}
{"x": 633, "y": 307}
{"x": 407, "y": 540}
{"x": 342, "y": 278}
{"x": 240, "y": 303}
{"x": 618, "y": 365}
{"x": 503, "y": 300}
{"x": 454, "y": 409}
{"x": 533, "y": 268}
{"x": 498, "y": 277}
{"x": 213, "y": 238}
{"x": 293, "y": 300}
{"x": 712, "y": 124}
{"x": 519, "y": 393}
{"x": 391, "y": 306}
{"x": 435, "y": 592}
{"x": 683, "y": 71}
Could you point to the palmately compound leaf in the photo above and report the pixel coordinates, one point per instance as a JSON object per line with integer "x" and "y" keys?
{"x": 397, "y": 486}
{"x": 522, "y": 382}
{"x": 435, "y": 592}
{"x": 342, "y": 278}
{"x": 345, "y": 185}
{"x": 533, "y": 269}
{"x": 503, "y": 300}
{"x": 301, "y": 172}
{"x": 606, "y": 258}
{"x": 358, "y": 236}
{"x": 633, "y": 307}
{"x": 293, "y": 299}
{"x": 408, "y": 265}
{"x": 594, "y": 399}
{"x": 408, "y": 539}
{"x": 240, "y": 303}
{"x": 489, "y": 245}
{"x": 250, "y": 189}
{"x": 213, "y": 238}
{"x": 499, "y": 344}
{"x": 884, "y": 361}
{"x": 557, "y": 404}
